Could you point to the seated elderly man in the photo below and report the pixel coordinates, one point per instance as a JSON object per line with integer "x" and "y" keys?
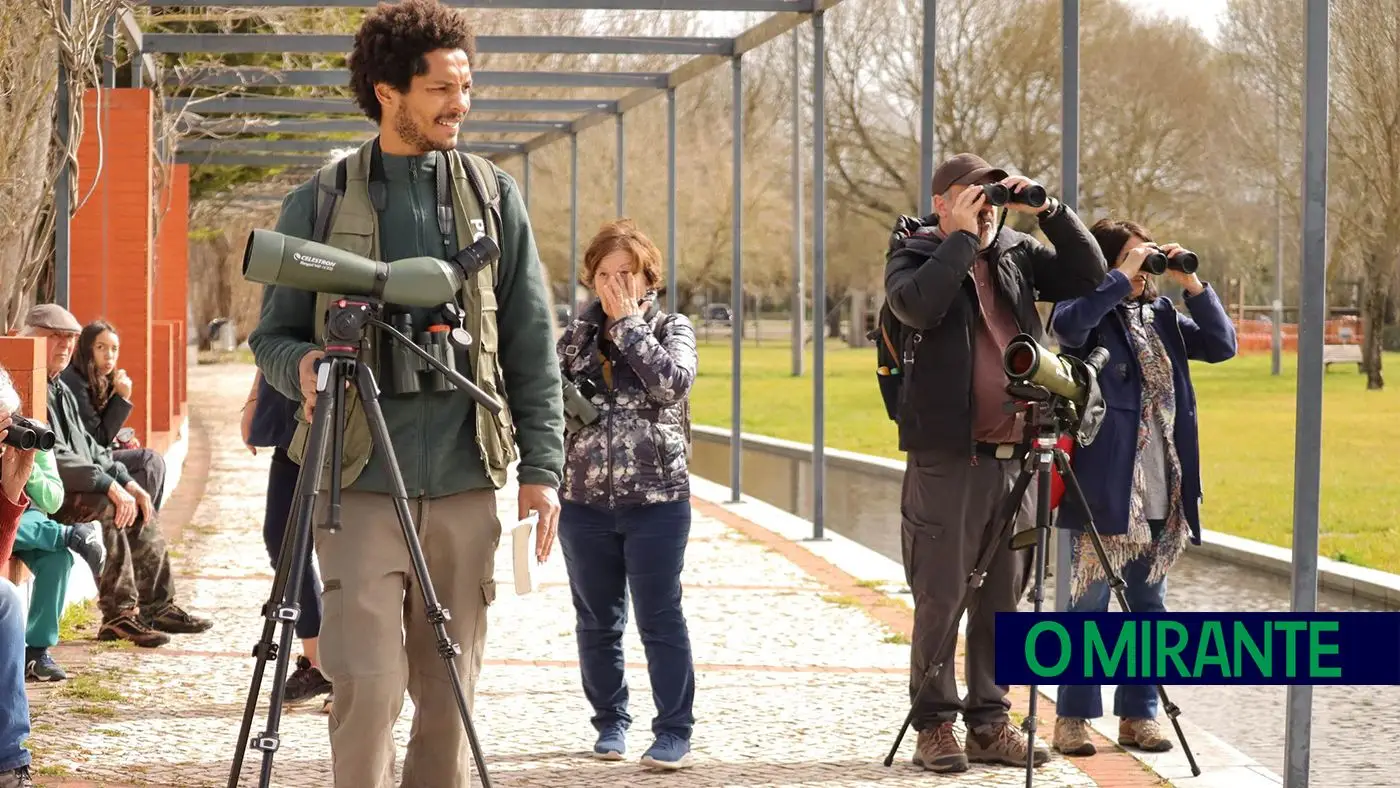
{"x": 136, "y": 590}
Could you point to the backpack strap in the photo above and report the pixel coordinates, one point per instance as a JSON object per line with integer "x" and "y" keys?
{"x": 330, "y": 187}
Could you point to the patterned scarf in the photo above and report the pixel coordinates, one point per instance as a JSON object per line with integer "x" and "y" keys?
{"x": 1158, "y": 404}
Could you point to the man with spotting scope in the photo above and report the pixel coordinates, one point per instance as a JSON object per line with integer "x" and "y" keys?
{"x": 957, "y": 291}
{"x": 411, "y": 74}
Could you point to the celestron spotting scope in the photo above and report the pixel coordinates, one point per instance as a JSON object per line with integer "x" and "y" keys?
{"x": 272, "y": 258}
{"x": 26, "y": 434}
{"x": 1027, "y": 361}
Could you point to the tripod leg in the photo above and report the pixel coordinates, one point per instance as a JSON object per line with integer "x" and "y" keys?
{"x": 283, "y": 607}
{"x": 1072, "y": 489}
{"x": 1042, "y": 528}
{"x": 947, "y": 650}
{"x": 436, "y": 613}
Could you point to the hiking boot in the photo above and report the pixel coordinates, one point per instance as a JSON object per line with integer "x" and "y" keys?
{"x": 1001, "y": 743}
{"x": 38, "y": 665}
{"x": 17, "y": 778}
{"x": 129, "y": 627}
{"x": 173, "y": 619}
{"x": 305, "y": 683}
{"x": 669, "y": 751}
{"x": 85, "y": 539}
{"x": 611, "y": 744}
{"x": 937, "y": 750}
{"x": 1072, "y": 736}
{"x": 1144, "y": 734}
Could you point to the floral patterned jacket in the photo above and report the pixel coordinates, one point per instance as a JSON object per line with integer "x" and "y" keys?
{"x": 637, "y": 373}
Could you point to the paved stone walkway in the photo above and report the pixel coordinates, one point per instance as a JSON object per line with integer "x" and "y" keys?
{"x": 801, "y": 669}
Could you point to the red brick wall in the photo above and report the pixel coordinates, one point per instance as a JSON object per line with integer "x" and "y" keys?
{"x": 111, "y": 270}
{"x": 162, "y": 376}
{"x": 26, "y": 359}
{"x": 172, "y": 271}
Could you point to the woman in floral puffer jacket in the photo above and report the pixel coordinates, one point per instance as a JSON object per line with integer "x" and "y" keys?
{"x": 625, "y": 503}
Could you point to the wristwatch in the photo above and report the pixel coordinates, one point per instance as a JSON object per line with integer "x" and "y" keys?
{"x": 1052, "y": 207}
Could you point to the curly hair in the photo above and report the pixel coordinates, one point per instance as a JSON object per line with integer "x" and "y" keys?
{"x": 391, "y": 43}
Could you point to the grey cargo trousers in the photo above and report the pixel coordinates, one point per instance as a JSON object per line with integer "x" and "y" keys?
{"x": 950, "y": 507}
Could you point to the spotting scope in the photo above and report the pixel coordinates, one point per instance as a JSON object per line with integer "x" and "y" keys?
{"x": 272, "y": 258}
{"x": 1027, "y": 361}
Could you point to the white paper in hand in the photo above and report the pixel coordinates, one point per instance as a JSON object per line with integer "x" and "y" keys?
{"x": 522, "y": 538}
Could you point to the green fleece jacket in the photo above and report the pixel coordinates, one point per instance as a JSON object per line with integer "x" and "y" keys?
{"x": 434, "y": 434}
{"x": 45, "y": 487}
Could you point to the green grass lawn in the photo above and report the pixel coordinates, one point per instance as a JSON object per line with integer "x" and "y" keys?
{"x": 1247, "y": 420}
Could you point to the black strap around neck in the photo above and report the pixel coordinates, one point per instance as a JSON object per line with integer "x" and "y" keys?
{"x": 378, "y": 182}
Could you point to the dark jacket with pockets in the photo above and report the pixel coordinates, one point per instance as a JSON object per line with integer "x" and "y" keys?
{"x": 85, "y": 465}
{"x": 1104, "y": 468}
{"x": 928, "y": 289}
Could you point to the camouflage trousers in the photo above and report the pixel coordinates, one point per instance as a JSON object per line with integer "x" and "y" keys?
{"x": 137, "y": 572}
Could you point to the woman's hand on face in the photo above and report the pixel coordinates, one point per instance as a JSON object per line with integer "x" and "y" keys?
{"x": 618, "y": 296}
{"x": 121, "y": 383}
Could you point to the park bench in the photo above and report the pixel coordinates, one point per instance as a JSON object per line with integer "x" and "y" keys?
{"x": 1341, "y": 354}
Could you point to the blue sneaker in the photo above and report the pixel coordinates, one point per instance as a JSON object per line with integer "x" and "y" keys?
{"x": 669, "y": 751}
{"x": 611, "y": 744}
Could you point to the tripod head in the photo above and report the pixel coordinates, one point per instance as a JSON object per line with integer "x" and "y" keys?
{"x": 348, "y": 319}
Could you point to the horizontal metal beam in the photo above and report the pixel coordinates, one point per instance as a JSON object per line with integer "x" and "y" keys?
{"x": 299, "y": 126}
{"x": 599, "y": 5}
{"x": 261, "y": 77}
{"x": 315, "y": 146}
{"x": 303, "y": 43}
{"x": 756, "y": 36}
{"x": 197, "y": 158}
{"x": 287, "y": 105}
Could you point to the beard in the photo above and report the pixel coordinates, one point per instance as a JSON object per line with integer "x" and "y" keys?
{"x": 412, "y": 133}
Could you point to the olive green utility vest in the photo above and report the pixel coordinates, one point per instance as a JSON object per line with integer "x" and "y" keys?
{"x": 346, "y": 218}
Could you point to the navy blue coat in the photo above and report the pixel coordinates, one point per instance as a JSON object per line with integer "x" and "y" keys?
{"x": 1105, "y": 467}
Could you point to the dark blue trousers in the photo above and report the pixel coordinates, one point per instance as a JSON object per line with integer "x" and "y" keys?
{"x": 606, "y": 554}
{"x": 281, "y": 495}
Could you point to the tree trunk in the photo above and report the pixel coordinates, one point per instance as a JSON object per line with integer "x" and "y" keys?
{"x": 833, "y": 317}
{"x": 1373, "y": 321}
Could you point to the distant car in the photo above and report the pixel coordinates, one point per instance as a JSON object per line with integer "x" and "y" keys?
{"x": 717, "y": 314}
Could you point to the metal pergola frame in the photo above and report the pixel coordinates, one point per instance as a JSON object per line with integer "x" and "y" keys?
{"x": 709, "y": 53}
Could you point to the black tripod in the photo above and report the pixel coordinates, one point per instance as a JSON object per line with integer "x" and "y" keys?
{"x": 345, "y": 335}
{"x": 1050, "y": 415}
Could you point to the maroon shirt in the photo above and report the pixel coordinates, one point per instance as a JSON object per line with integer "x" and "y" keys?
{"x": 991, "y": 423}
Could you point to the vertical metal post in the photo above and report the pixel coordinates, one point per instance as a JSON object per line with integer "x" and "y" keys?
{"x": 109, "y": 53}
{"x": 621, "y": 168}
{"x": 926, "y": 109}
{"x": 1069, "y": 194}
{"x": 63, "y": 199}
{"x": 818, "y": 274}
{"x": 671, "y": 251}
{"x": 137, "y": 77}
{"x": 798, "y": 302}
{"x": 1277, "y": 338}
{"x": 1307, "y": 452}
{"x": 573, "y": 225}
{"x": 736, "y": 289}
{"x": 526, "y": 181}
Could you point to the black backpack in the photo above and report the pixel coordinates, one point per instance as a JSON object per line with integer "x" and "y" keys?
{"x": 889, "y": 335}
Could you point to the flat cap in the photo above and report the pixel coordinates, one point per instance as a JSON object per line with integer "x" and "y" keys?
{"x": 962, "y": 170}
{"x": 54, "y": 318}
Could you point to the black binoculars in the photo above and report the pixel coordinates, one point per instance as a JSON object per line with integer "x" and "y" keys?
{"x": 1157, "y": 262}
{"x": 26, "y": 434}
{"x": 1001, "y": 194}
{"x": 402, "y": 371}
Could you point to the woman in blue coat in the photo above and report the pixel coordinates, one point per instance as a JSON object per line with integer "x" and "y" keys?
{"x": 1141, "y": 474}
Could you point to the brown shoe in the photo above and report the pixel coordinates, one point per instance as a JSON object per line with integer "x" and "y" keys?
{"x": 937, "y": 750}
{"x": 1144, "y": 734}
{"x": 1001, "y": 743}
{"x": 129, "y": 627}
{"x": 175, "y": 620}
{"x": 1072, "y": 736}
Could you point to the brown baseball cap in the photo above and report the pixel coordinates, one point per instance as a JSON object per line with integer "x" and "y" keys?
{"x": 963, "y": 169}
{"x": 54, "y": 318}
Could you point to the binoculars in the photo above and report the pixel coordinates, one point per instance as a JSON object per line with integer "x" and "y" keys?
{"x": 1001, "y": 194}
{"x": 578, "y": 411}
{"x": 403, "y": 372}
{"x": 1157, "y": 262}
{"x": 25, "y": 434}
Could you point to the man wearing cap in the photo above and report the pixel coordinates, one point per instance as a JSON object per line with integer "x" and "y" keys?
{"x": 961, "y": 288}
{"x": 136, "y": 590}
